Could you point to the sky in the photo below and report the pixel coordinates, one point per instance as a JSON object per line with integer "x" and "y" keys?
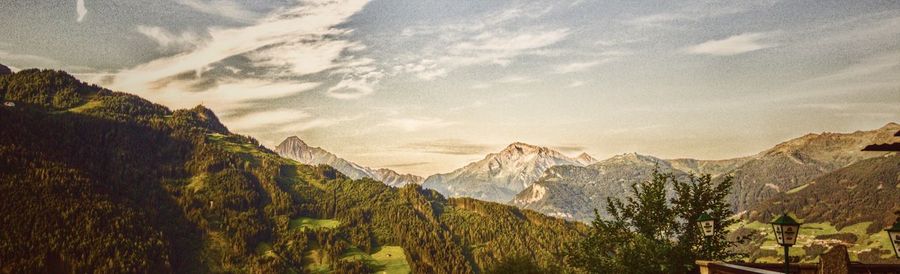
{"x": 428, "y": 86}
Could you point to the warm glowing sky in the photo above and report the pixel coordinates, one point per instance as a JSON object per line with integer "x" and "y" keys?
{"x": 426, "y": 86}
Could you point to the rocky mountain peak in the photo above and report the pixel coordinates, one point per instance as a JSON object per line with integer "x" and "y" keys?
{"x": 585, "y": 159}
{"x": 521, "y": 148}
{"x": 293, "y": 141}
{"x": 296, "y": 149}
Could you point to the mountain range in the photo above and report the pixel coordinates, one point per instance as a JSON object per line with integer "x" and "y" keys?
{"x": 575, "y": 191}
{"x": 500, "y": 176}
{"x": 96, "y": 181}
{"x": 547, "y": 181}
{"x": 295, "y": 149}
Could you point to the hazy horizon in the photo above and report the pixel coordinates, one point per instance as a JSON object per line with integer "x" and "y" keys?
{"x": 427, "y": 87}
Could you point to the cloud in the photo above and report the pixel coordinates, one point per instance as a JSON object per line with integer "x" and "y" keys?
{"x": 447, "y": 146}
{"x": 494, "y": 39}
{"x": 733, "y": 45}
{"x": 80, "y": 10}
{"x": 658, "y": 20}
{"x": 569, "y": 148}
{"x": 351, "y": 89}
{"x": 406, "y": 164}
{"x": 416, "y": 124}
{"x": 257, "y": 120}
{"x": 577, "y": 66}
{"x": 167, "y": 40}
{"x": 515, "y": 79}
{"x": 575, "y": 84}
{"x": 29, "y": 59}
{"x": 696, "y": 11}
{"x": 227, "y": 94}
{"x": 291, "y": 27}
{"x": 278, "y": 55}
{"x": 316, "y": 123}
{"x": 870, "y": 75}
{"x": 223, "y": 8}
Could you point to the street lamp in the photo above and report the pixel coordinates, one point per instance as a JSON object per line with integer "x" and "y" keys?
{"x": 707, "y": 224}
{"x": 894, "y": 236}
{"x": 786, "y": 230}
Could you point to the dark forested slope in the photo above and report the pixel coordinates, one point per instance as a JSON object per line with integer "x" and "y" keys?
{"x": 866, "y": 191}
{"x": 100, "y": 181}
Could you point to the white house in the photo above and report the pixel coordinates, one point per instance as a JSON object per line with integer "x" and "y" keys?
{"x": 9, "y": 104}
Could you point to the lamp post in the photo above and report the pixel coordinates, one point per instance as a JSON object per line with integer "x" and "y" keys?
{"x": 894, "y": 236}
{"x": 707, "y": 224}
{"x": 786, "y": 230}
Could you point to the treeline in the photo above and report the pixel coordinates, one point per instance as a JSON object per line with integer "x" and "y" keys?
{"x": 101, "y": 181}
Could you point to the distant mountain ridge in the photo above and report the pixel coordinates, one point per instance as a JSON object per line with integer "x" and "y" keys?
{"x": 295, "y": 149}
{"x": 500, "y": 176}
{"x": 574, "y": 192}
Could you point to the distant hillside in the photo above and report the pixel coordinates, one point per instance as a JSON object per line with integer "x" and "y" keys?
{"x": 866, "y": 191}
{"x": 574, "y": 192}
{"x": 796, "y": 162}
{"x": 500, "y": 176}
{"x": 850, "y": 206}
{"x": 295, "y": 149}
{"x": 711, "y": 167}
{"x": 101, "y": 181}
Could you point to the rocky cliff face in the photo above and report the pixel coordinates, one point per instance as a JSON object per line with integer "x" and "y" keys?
{"x": 294, "y": 148}
{"x": 500, "y": 176}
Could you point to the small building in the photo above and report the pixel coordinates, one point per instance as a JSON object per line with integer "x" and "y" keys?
{"x": 9, "y": 104}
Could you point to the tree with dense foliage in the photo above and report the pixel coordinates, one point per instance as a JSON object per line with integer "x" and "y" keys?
{"x": 649, "y": 232}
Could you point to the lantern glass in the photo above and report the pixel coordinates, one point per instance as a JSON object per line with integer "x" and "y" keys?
{"x": 786, "y": 230}
{"x": 708, "y": 227}
{"x": 895, "y": 241}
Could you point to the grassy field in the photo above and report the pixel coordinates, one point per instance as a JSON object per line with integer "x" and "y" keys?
{"x": 248, "y": 151}
{"x": 387, "y": 259}
{"x": 391, "y": 260}
{"x": 310, "y": 223}
{"x": 89, "y": 105}
{"x": 807, "y": 237}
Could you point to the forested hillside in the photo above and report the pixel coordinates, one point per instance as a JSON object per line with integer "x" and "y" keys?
{"x": 850, "y": 206}
{"x": 100, "y": 181}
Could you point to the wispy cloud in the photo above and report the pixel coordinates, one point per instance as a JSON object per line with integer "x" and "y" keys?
{"x": 282, "y": 49}
{"x": 227, "y": 94}
{"x": 448, "y": 146}
{"x": 262, "y": 119}
{"x": 320, "y": 122}
{"x": 696, "y": 11}
{"x": 80, "y": 10}
{"x": 733, "y": 45}
{"x": 569, "y": 148}
{"x": 167, "y": 40}
{"x": 406, "y": 164}
{"x": 487, "y": 41}
{"x": 575, "y": 84}
{"x": 874, "y": 73}
{"x": 416, "y": 124}
{"x": 577, "y": 66}
{"x": 515, "y": 79}
{"x": 224, "y": 8}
